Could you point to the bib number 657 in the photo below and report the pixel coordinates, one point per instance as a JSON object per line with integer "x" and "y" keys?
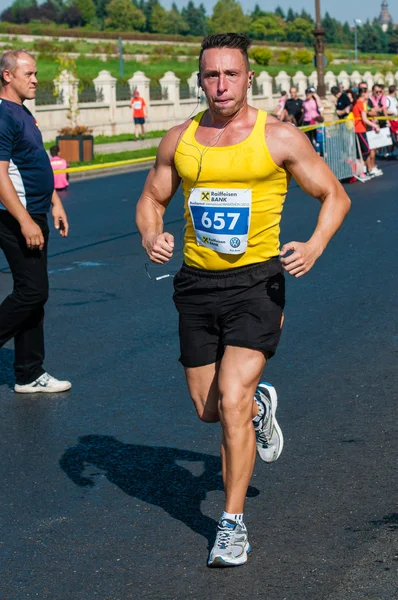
{"x": 219, "y": 220}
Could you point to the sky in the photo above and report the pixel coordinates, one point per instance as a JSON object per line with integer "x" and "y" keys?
{"x": 340, "y": 9}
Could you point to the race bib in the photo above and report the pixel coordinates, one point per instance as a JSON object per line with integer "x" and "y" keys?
{"x": 137, "y": 105}
{"x": 221, "y": 218}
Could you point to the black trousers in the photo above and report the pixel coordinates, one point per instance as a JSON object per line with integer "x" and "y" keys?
{"x": 22, "y": 312}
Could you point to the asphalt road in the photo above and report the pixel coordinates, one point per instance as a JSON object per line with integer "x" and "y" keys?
{"x": 113, "y": 490}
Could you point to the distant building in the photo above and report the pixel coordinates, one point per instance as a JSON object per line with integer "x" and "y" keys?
{"x": 385, "y": 18}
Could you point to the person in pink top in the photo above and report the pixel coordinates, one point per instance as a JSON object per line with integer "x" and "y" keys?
{"x": 61, "y": 180}
{"x": 312, "y": 108}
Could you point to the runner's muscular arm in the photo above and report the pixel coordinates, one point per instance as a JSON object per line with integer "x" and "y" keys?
{"x": 160, "y": 186}
{"x": 292, "y": 149}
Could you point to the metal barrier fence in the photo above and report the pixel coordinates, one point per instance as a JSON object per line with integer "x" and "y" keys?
{"x": 338, "y": 146}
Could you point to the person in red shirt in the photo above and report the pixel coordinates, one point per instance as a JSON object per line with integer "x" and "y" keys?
{"x": 362, "y": 125}
{"x": 138, "y": 105}
{"x": 61, "y": 180}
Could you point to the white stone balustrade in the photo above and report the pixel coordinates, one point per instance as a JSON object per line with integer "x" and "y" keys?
{"x": 343, "y": 78}
{"x": 368, "y": 77}
{"x": 108, "y": 116}
{"x": 139, "y": 81}
{"x": 282, "y": 81}
{"x": 301, "y": 82}
{"x": 330, "y": 80}
{"x": 171, "y": 84}
{"x": 264, "y": 83}
{"x": 355, "y": 78}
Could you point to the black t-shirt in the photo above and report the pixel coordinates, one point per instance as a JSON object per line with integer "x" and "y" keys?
{"x": 342, "y": 103}
{"x": 295, "y": 108}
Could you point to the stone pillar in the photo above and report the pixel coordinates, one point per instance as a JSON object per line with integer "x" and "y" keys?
{"x": 105, "y": 83}
{"x": 343, "y": 78}
{"x": 300, "y": 81}
{"x": 330, "y": 80}
{"x": 264, "y": 83}
{"x": 171, "y": 83}
{"x": 282, "y": 81}
{"x": 66, "y": 85}
{"x": 192, "y": 82}
{"x": 355, "y": 78}
{"x": 141, "y": 83}
{"x": 389, "y": 78}
{"x": 368, "y": 77}
{"x": 379, "y": 78}
{"x": 313, "y": 79}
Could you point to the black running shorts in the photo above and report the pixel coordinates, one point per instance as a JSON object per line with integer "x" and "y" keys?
{"x": 235, "y": 307}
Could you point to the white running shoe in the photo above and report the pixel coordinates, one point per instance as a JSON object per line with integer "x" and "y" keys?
{"x": 376, "y": 172}
{"x": 269, "y": 436}
{"x": 44, "y": 383}
{"x": 231, "y": 546}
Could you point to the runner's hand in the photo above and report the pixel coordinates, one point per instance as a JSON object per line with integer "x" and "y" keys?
{"x": 60, "y": 219}
{"x": 302, "y": 258}
{"x": 33, "y": 235}
{"x": 159, "y": 247}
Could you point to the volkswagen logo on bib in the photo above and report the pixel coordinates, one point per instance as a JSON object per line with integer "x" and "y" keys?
{"x": 235, "y": 242}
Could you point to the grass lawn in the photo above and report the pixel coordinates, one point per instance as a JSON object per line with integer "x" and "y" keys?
{"x": 122, "y": 137}
{"x": 101, "y": 159}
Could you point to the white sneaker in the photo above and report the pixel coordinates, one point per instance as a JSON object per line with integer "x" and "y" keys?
{"x": 269, "y": 437}
{"x": 44, "y": 383}
{"x": 376, "y": 172}
{"x": 231, "y": 546}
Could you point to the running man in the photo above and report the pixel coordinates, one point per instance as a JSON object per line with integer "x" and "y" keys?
{"x": 235, "y": 164}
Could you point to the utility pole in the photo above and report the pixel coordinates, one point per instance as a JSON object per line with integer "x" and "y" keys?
{"x": 319, "y": 45}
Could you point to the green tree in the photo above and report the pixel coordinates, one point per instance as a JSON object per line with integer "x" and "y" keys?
{"x": 124, "y": 16}
{"x": 268, "y": 27}
{"x": 291, "y": 15}
{"x": 163, "y": 21}
{"x": 279, "y": 13}
{"x": 228, "y": 16}
{"x": 86, "y": 8}
{"x": 195, "y": 18}
{"x": 329, "y": 24}
{"x": 300, "y": 30}
{"x": 306, "y": 16}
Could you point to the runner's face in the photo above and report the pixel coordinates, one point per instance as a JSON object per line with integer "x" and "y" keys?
{"x": 225, "y": 80}
{"x": 23, "y": 80}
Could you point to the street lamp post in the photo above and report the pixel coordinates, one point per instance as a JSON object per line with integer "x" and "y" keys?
{"x": 319, "y": 44}
{"x": 356, "y": 23}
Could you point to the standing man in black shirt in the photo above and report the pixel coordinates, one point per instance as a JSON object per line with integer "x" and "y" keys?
{"x": 294, "y": 106}
{"x": 26, "y": 196}
{"x": 343, "y": 104}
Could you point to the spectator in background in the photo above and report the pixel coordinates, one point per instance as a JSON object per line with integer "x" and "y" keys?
{"x": 312, "y": 108}
{"x": 138, "y": 105}
{"x": 319, "y": 135}
{"x": 362, "y": 125}
{"x": 377, "y": 104}
{"x": 294, "y": 107}
{"x": 61, "y": 180}
{"x": 278, "y": 112}
{"x": 343, "y": 102}
{"x": 392, "y": 111}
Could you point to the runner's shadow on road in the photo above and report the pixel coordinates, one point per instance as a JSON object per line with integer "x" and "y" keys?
{"x": 7, "y": 376}
{"x": 152, "y": 474}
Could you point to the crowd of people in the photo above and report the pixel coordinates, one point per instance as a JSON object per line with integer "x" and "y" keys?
{"x": 372, "y": 111}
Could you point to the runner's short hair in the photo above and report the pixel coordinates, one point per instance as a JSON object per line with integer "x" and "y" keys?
{"x": 226, "y": 40}
{"x": 8, "y": 61}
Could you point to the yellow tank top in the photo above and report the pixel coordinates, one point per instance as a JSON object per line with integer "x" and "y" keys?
{"x": 234, "y": 197}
